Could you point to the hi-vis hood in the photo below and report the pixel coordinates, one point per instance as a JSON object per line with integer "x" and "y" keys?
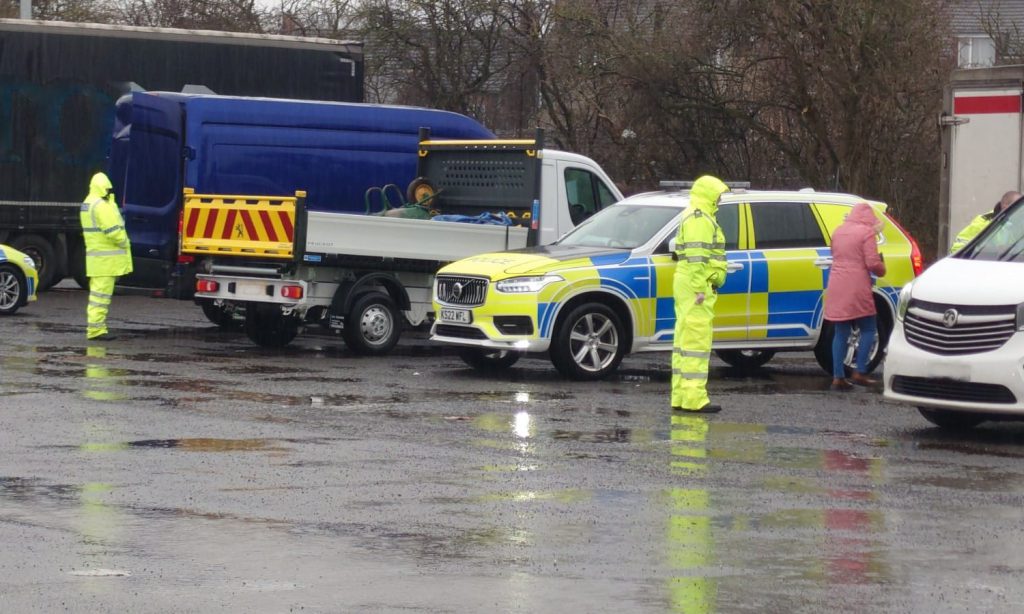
{"x": 971, "y": 282}
{"x": 533, "y": 261}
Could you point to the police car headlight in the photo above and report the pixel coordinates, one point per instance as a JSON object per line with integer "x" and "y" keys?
{"x": 523, "y": 285}
{"x": 29, "y": 262}
{"x": 904, "y": 303}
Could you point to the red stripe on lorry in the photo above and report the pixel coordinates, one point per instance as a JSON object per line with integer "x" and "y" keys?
{"x": 229, "y": 224}
{"x": 286, "y": 223}
{"x": 268, "y": 226}
{"x": 211, "y": 223}
{"x": 976, "y": 105}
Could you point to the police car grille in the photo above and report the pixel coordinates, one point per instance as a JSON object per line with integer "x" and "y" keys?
{"x": 978, "y": 328}
{"x": 464, "y": 291}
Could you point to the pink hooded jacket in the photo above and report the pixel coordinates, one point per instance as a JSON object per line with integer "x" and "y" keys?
{"x": 854, "y": 256}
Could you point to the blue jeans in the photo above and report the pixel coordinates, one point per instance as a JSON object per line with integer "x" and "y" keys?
{"x": 868, "y": 331}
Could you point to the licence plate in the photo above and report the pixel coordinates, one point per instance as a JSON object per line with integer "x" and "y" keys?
{"x": 459, "y": 316}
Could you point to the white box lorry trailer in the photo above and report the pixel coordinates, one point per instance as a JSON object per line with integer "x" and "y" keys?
{"x": 368, "y": 276}
{"x": 982, "y": 145}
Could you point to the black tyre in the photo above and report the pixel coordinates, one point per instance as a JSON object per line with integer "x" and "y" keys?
{"x": 487, "y": 360}
{"x": 13, "y": 289}
{"x": 43, "y": 254}
{"x": 953, "y": 420}
{"x": 823, "y": 350}
{"x": 267, "y": 327}
{"x": 220, "y": 315}
{"x": 420, "y": 189}
{"x": 372, "y": 326}
{"x": 746, "y": 360}
{"x": 76, "y": 264}
{"x": 589, "y": 343}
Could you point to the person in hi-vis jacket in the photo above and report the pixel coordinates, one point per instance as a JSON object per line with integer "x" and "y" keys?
{"x": 107, "y": 252}
{"x": 700, "y": 271}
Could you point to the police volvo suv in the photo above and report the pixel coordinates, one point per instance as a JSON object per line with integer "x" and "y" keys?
{"x": 605, "y": 289}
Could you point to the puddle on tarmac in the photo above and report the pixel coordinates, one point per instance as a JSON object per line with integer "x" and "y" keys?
{"x": 210, "y": 445}
{"x": 604, "y": 436}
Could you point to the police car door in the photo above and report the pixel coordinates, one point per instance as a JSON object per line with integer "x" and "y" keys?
{"x": 731, "y": 308}
{"x": 788, "y": 271}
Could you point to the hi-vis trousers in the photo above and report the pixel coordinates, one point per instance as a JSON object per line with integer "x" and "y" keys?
{"x": 101, "y": 292}
{"x": 692, "y": 347}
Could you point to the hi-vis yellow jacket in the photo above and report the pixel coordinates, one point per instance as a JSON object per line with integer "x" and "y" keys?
{"x": 107, "y": 250}
{"x": 700, "y": 243}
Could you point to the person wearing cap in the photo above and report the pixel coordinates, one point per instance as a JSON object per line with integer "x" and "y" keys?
{"x": 700, "y": 271}
{"x": 107, "y": 252}
{"x": 982, "y": 221}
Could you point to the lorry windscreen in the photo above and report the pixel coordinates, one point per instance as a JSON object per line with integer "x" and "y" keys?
{"x": 621, "y": 226}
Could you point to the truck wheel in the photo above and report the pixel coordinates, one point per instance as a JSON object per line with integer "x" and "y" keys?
{"x": 372, "y": 326}
{"x": 745, "y": 360}
{"x": 12, "y": 289}
{"x": 267, "y": 327}
{"x": 487, "y": 360}
{"x": 43, "y": 254}
{"x": 589, "y": 343}
{"x": 952, "y": 420}
{"x": 823, "y": 350}
{"x": 222, "y": 316}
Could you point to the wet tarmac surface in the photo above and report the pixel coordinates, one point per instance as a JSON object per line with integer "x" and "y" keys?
{"x": 180, "y": 468}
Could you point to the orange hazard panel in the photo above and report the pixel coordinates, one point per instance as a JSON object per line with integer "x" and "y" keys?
{"x": 239, "y": 225}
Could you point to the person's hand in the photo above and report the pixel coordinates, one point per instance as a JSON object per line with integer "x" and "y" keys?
{"x": 700, "y": 299}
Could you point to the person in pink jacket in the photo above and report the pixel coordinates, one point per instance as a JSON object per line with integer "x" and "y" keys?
{"x": 848, "y": 298}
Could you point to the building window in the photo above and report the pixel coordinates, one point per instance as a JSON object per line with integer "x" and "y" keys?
{"x": 976, "y": 51}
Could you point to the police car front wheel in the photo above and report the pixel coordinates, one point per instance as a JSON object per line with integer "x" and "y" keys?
{"x": 589, "y": 342}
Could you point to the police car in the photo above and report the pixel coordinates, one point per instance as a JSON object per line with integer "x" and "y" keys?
{"x": 18, "y": 280}
{"x": 605, "y": 289}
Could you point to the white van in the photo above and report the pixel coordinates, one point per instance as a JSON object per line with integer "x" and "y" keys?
{"x": 957, "y": 352}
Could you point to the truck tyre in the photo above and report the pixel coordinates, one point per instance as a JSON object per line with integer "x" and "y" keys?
{"x": 76, "y": 264}
{"x": 952, "y": 420}
{"x": 267, "y": 327}
{"x": 487, "y": 360}
{"x": 372, "y": 326}
{"x": 12, "y": 289}
{"x": 823, "y": 350}
{"x": 589, "y": 343}
{"x": 219, "y": 315}
{"x": 43, "y": 254}
{"x": 745, "y": 360}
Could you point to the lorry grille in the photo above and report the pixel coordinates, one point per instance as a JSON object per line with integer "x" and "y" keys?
{"x": 951, "y": 390}
{"x": 974, "y": 329}
{"x": 463, "y": 291}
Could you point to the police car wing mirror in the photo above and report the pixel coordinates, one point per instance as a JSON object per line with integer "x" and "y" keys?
{"x": 672, "y": 248}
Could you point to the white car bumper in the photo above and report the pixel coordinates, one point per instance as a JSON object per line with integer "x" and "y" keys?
{"x": 989, "y": 382}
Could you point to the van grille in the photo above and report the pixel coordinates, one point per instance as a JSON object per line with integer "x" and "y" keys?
{"x": 976, "y": 329}
{"x": 950, "y": 390}
{"x": 462, "y": 291}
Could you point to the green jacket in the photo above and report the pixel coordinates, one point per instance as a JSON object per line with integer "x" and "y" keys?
{"x": 970, "y": 231}
{"x": 700, "y": 244}
{"x": 107, "y": 250}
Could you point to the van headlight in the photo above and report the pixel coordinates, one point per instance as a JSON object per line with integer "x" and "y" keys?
{"x": 904, "y": 302}
{"x": 523, "y": 285}
{"x": 1020, "y": 316}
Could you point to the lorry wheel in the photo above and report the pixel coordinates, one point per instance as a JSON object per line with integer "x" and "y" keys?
{"x": 222, "y": 316}
{"x": 823, "y": 350}
{"x": 43, "y": 254}
{"x": 745, "y": 360}
{"x": 488, "y": 360}
{"x": 953, "y": 420}
{"x": 12, "y": 289}
{"x": 372, "y": 325}
{"x": 267, "y": 327}
{"x": 589, "y": 343}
